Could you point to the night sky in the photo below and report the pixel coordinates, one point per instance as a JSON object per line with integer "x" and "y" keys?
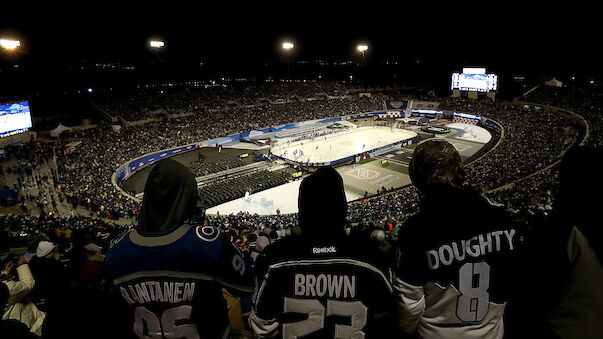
{"x": 505, "y": 37}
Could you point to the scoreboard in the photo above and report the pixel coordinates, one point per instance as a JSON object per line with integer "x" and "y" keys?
{"x": 474, "y": 79}
{"x": 15, "y": 118}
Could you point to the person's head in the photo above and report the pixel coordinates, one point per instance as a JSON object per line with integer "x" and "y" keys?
{"x": 170, "y": 197}
{"x": 261, "y": 243}
{"x": 436, "y": 163}
{"x": 45, "y": 249}
{"x": 579, "y": 185}
{"x": 322, "y": 203}
{"x": 378, "y": 236}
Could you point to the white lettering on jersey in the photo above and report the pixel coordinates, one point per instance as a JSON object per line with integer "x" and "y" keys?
{"x": 476, "y": 246}
{"x": 331, "y": 285}
{"x": 320, "y": 250}
{"x": 154, "y": 291}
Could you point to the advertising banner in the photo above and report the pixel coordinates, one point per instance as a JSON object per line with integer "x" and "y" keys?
{"x": 398, "y": 104}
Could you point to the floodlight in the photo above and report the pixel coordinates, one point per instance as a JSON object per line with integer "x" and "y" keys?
{"x": 287, "y": 45}
{"x": 157, "y": 44}
{"x": 9, "y": 44}
{"x": 362, "y": 48}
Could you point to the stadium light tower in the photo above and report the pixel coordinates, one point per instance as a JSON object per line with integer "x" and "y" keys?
{"x": 288, "y": 46}
{"x": 362, "y": 48}
{"x": 157, "y": 44}
{"x": 11, "y": 46}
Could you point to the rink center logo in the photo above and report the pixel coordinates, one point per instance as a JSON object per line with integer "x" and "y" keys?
{"x": 363, "y": 173}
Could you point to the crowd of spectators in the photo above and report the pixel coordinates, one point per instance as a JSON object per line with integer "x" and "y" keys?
{"x": 84, "y": 172}
{"x": 519, "y": 172}
{"x": 584, "y": 101}
{"x": 189, "y": 98}
{"x": 238, "y": 185}
{"x": 533, "y": 139}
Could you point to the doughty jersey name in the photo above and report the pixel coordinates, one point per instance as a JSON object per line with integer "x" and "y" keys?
{"x": 476, "y": 246}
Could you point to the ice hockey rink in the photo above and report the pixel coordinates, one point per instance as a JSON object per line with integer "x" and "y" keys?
{"x": 467, "y": 138}
{"x": 340, "y": 145}
{"x": 319, "y": 150}
{"x": 283, "y": 198}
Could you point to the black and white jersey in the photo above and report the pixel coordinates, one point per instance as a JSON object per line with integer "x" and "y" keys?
{"x": 321, "y": 289}
{"x": 457, "y": 267}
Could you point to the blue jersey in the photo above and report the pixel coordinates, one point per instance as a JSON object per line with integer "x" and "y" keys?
{"x": 173, "y": 282}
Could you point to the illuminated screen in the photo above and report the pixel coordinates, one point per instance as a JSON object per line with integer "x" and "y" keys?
{"x": 474, "y": 70}
{"x": 474, "y": 82}
{"x": 15, "y": 118}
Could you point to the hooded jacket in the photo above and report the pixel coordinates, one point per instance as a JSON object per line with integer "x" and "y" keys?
{"x": 172, "y": 270}
{"x": 322, "y": 204}
{"x": 170, "y": 197}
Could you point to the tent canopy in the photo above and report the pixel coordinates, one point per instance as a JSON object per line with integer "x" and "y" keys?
{"x": 60, "y": 129}
{"x": 553, "y": 83}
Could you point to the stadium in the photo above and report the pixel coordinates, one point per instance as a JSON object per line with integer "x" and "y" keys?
{"x": 75, "y": 166}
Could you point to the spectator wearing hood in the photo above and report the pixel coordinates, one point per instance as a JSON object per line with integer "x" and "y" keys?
{"x": 184, "y": 263}
{"x": 308, "y": 273}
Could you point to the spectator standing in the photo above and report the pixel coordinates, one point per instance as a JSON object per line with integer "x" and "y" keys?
{"x": 458, "y": 257}
{"x": 320, "y": 284}
{"x": 567, "y": 255}
{"x": 169, "y": 273}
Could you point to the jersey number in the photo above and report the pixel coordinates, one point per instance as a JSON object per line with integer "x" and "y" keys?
{"x": 316, "y": 317}
{"x": 166, "y": 328}
{"x": 474, "y": 281}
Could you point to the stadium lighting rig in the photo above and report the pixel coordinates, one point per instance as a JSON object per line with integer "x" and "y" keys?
{"x": 157, "y": 44}
{"x": 362, "y": 48}
{"x": 287, "y": 46}
{"x": 10, "y": 44}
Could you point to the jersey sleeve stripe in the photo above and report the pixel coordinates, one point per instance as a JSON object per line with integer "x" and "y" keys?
{"x": 162, "y": 240}
{"x": 162, "y": 273}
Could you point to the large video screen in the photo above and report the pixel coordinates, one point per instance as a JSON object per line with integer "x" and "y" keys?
{"x": 15, "y": 118}
{"x": 474, "y": 82}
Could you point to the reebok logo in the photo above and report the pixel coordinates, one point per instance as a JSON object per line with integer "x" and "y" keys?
{"x": 320, "y": 250}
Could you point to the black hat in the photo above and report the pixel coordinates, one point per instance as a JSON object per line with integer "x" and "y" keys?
{"x": 322, "y": 203}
